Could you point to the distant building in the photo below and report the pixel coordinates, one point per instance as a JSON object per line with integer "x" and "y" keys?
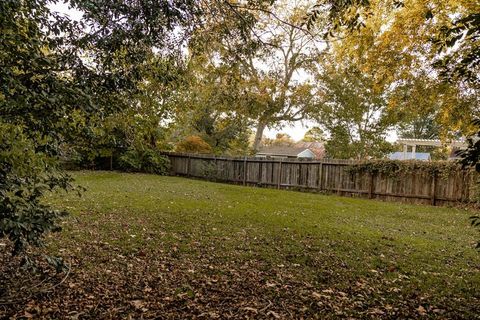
{"x": 316, "y": 147}
{"x": 413, "y": 143}
{"x": 285, "y": 152}
{"x": 424, "y": 156}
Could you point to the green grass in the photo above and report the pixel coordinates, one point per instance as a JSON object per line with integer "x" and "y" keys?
{"x": 301, "y": 254}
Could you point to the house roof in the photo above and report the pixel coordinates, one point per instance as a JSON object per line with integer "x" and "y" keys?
{"x": 400, "y": 156}
{"x": 290, "y": 151}
{"x": 317, "y": 147}
{"x": 309, "y": 144}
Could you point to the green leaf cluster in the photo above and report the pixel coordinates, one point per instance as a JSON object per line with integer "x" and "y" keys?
{"x": 144, "y": 160}
{"x": 25, "y": 175}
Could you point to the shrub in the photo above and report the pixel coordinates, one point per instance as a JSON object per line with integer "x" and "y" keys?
{"x": 144, "y": 160}
{"x": 25, "y": 175}
{"x": 193, "y": 144}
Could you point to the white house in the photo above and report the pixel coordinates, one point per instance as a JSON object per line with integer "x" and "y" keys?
{"x": 413, "y": 143}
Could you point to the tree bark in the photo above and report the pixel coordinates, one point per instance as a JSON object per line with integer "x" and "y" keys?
{"x": 258, "y": 136}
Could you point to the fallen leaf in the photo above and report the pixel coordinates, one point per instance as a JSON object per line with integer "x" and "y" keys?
{"x": 421, "y": 310}
{"x": 138, "y": 304}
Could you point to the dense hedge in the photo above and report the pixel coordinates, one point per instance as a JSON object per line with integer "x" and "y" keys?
{"x": 146, "y": 160}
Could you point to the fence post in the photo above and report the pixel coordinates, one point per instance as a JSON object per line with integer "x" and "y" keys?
{"x": 320, "y": 176}
{"x": 434, "y": 184}
{"x": 279, "y": 175}
{"x": 260, "y": 172}
{"x": 245, "y": 166}
{"x": 371, "y": 186}
{"x": 465, "y": 187}
{"x": 307, "y": 175}
{"x": 468, "y": 180}
{"x": 188, "y": 166}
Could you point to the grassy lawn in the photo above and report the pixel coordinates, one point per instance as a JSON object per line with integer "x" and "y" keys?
{"x": 146, "y": 246}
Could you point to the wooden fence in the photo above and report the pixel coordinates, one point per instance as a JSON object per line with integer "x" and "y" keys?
{"x": 330, "y": 176}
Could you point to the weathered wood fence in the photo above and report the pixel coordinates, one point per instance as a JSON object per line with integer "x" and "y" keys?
{"x": 330, "y": 176}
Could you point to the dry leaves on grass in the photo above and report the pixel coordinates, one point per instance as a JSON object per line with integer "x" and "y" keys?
{"x": 153, "y": 285}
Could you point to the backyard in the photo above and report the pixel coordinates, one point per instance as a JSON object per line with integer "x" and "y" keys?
{"x": 148, "y": 246}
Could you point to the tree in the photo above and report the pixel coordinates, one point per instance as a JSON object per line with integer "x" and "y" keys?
{"x": 459, "y": 39}
{"x": 421, "y": 127}
{"x": 25, "y": 175}
{"x": 354, "y": 113}
{"x": 57, "y": 75}
{"x": 407, "y": 46}
{"x": 315, "y": 134}
{"x": 281, "y": 139}
{"x": 207, "y": 105}
{"x": 140, "y": 127}
{"x": 193, "y": 144}
{"x": 266, "y": 71}
{"x": 461, "y": 63}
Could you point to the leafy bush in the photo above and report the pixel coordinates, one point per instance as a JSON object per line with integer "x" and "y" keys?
{"x": 144, "y": 160}
{"x": 193, "y": 144}
{"x": 395, "y": 168}
{"x": 25, "y": 175}
{"x": 470, "y": 158}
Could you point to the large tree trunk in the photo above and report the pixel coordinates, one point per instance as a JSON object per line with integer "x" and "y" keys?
{"x": 258, "y": 136}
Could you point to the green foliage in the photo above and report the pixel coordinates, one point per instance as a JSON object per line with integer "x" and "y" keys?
{"x": 100, "y": 145}
{"x": 281, "y": 139}
{"x": 475, "y": 221}
{"x": 470, "y": 158}
{"x": 462, "y": 63}
{"x": 420, "y": 127}
{"x": 209, "y": 105}
{"x": 354, "y": 113}
{"x": 314, "y": 134}
{"x": 144, "y": 160}
{"x": 25, "y": 175}
{"x": 396, "y": 168}
{"x": 471, "y": 155}
{"x": 35, "y": 102}
{"x": 61, "y": 79}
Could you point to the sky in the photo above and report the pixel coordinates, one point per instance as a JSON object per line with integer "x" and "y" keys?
{"x": 296, "y": 131}
{"x": 64, "y": 8}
